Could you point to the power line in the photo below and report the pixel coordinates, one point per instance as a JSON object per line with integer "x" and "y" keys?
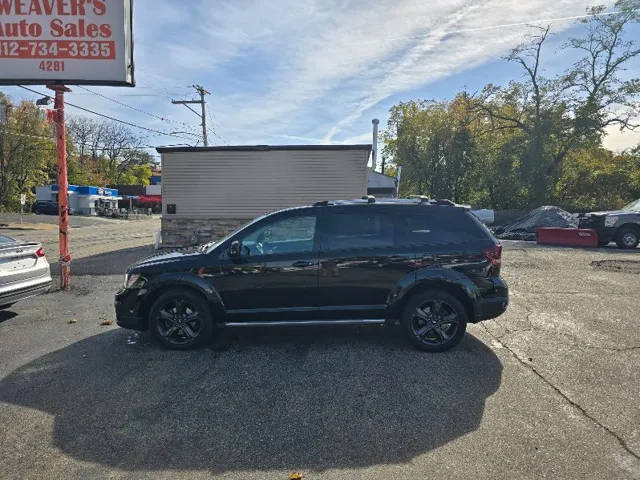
{"x": 212, "y": 120}
{"x": 159, "y": 117}
{"x": 124, "y": 104}
{"x": 92, "y": 146}
{"x": 158, "y": 132}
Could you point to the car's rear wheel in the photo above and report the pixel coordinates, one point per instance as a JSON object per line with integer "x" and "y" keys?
{"x": 435, "y": 320}
{"x": 181, "y": 319}
{"x": 627, "y": 238}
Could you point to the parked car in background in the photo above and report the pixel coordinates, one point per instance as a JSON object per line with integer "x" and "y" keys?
{"x": 47, "y": 207}
{"x": 430, "y": 265}
{"x": 24, "y": 271}
{"x": 620, "y": 226}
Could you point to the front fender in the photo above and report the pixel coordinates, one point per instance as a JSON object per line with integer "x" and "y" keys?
{"x": 429, "y": 277}
{"x": 188, "y": 280}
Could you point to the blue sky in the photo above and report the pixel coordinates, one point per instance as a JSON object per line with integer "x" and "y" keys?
{"x": 318, "y": 71}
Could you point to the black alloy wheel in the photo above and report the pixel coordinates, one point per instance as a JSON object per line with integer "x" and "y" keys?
{"x": 180, "y": 319}
{"x": 435, "y": 321}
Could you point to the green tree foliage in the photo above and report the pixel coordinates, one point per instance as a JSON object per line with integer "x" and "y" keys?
{"x": 532, "y": 141}
{"x": 437, "y": 143}
{"x": 597, "y": 179}
{"x": 25, "y": 151}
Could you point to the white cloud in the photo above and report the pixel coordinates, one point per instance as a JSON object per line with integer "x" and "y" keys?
{"x": 312, "y": 70}
{"x": 351, "y": 60}
{"x": 618, "y": 141}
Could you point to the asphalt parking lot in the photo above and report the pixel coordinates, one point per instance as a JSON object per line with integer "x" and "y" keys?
{"x": 549, "y": 390}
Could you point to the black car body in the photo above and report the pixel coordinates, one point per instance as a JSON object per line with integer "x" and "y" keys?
{"x": 47, "y": 207}
{"x": 334, "y": 262}
{"x": 620, "y": 226}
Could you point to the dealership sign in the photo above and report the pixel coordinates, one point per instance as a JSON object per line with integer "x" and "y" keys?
{"x": 66, "y": 42}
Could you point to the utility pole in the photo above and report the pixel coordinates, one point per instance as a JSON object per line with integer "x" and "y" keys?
{"x": 202, "y": 92}
{"x": 63, "y": 187}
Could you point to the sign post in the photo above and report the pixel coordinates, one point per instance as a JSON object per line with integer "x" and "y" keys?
{"x": 23, "y": 201}
{"x": 58, "y": 43}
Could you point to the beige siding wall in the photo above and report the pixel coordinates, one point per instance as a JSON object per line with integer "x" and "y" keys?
{"x": 224, "y": 184}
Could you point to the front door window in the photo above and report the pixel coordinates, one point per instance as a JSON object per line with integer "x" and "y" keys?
{"x": 286, "y": 236}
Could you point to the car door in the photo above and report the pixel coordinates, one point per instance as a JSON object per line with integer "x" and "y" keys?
{"x": 276, "y": 276}
{"x": 359, "y": 262}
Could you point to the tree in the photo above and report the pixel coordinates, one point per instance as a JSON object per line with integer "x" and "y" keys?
{"x": 107, "y": 151}
{"x": 435, "y": 145}
{"x": 26, "y": 145}
{"x": 507, "y": 147}
{"x": 596, "y": 178}
{"x": 599, "y": 95}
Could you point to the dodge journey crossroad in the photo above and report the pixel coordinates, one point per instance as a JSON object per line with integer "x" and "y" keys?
{"x": 429, "y": 265}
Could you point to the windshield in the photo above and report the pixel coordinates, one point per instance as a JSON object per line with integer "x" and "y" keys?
{"x": 208, "y": 247}
{"x": 633, "y": 206}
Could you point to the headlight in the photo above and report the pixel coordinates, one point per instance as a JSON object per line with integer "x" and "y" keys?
{"x": 132, "y": 280}
{"x": 610, "y": 220}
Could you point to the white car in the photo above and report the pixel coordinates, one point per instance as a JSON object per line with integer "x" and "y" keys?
{"x": 24, "y": 271}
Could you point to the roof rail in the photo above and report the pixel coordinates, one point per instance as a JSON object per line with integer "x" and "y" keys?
{"x": 422, "y": 198}
{"x": 322, "y": 203}
{"x": 431, "y": 201}
{"x": 445, "y": 201}
{"x": 369, "y": 198}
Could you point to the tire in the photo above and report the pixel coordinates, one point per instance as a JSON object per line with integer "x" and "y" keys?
{"x": 169, "y": 319}
{"x": 627, "y": 238}
{"x": 435, "y": 320}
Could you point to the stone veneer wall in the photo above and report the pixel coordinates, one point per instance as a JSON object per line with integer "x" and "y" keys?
{"x": 185, "y": 232}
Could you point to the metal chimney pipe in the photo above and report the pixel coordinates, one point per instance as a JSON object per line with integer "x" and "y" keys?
{"x": 374, "y": 149}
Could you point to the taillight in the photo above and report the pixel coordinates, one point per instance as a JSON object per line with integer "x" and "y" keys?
{"x": 494, "y": 255}
{"x": 40, "y": 252}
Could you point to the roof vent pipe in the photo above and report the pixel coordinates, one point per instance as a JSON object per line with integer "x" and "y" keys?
{"x": 374, "y": 149}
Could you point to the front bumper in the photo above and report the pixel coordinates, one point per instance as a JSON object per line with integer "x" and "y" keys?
{"x": 597, "y": 223}
{"x": 494, "y": 303}
{"x": 128, "y": 305}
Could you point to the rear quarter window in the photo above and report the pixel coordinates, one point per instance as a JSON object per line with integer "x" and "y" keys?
{"x": 442, "y": 226}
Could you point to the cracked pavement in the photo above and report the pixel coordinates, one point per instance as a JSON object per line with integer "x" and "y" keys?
{"x": 548, "y": 390}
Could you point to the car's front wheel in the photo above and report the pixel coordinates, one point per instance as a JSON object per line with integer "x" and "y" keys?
{"x": 181, "y": 319}
{"x": 627, "y": 237}
{"x": 435, "y": 320}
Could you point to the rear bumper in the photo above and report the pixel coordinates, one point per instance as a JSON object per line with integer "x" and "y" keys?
{"x": 21, "y": 293}
{"x": 494, "y": 303}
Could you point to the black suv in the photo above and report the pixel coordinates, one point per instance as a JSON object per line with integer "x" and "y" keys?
{"x": 429, "y": 264}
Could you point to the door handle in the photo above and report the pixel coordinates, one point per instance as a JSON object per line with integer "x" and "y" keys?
{"x": 303, "y": 263}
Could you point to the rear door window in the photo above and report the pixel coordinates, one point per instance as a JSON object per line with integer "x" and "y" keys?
{"x": 356, "y": 230}
{"x": 440, "y": 227}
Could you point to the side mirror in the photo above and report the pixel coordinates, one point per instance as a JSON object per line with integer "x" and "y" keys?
{"x": 235, "y": 250}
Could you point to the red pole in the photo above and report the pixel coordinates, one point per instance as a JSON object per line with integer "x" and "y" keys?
{"x": 63, "y": 187}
